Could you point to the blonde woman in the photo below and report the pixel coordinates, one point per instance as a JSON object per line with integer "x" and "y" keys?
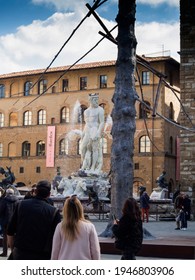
{"x": 75, "y": 238}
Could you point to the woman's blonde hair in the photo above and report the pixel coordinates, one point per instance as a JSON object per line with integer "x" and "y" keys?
{"x": 72, "y": 214}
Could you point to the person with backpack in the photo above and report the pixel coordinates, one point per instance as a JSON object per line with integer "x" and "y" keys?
{"x": 128, "y": 230}
{"x": 7, "y": 207}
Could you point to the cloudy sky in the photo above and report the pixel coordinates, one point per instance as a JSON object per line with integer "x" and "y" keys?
{"x": 32, "y": 32}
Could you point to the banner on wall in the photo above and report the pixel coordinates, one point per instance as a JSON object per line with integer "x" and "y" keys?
{"x": 50, "y": 146}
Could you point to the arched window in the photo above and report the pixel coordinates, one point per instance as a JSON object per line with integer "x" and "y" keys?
{"x": 171, "y": 111}
{"x": 144, "y": 144}
{"x": 27, "y": 118}
{"x": 144, "y": 111}
{"x": 25, "y": 149}
{"x": 27, "y": 88}
{"x": 40, "y": 148}
{"x": 13, "y": 119}
{"x": 12, "y": 149}
{"x": 42, "y": 86}
{"x": 1, "y": 149}
{"x": 65, "y": 115}
{"x": 1, "y": 120}
{"x": 14, "y": 89}
{"x": 2, "y": 91}
{"x": 42, "y": 117}
{"x": 63, "y": 147}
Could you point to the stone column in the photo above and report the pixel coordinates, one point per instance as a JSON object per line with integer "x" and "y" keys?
{"x": 187, "y": 84}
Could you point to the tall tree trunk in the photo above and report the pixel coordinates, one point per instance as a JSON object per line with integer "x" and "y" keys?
{"x": 123, "y": 113}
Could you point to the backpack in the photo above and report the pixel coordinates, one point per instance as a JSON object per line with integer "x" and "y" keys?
{"x": 138, "y": 237}
{"x": 133, "y": 241}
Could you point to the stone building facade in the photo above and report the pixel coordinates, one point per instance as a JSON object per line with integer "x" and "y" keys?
{"x": 187, "y": 78}
{"x": 37, "y": 108}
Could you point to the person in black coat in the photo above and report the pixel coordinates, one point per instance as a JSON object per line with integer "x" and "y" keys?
{"x": 30, "y": 231}
{"x": 7, "y": 207}
{"x": 2, "y": 194}
{"x": 187, "y": 206}
{"x": 178, "y": 205}
{"x": 185, "y": 212}
{"x": 129, "y": 229}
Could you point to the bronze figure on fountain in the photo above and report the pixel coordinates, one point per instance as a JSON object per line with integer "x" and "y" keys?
{"x": 9, "y": 177}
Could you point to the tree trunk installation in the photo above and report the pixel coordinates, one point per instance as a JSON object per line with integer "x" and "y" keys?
{"x": 123, "y": 113}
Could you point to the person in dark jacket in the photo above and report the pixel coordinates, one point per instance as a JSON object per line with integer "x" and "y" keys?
{"x": 7, "y": 207}
{"x": 185, "y": 212}
{"x": 144, "y": 204}
{"x": 187, "y": 206}
{"x": 30, "y": 231}
{"x": 178, "y": 205}
{"x": 129, "y": 229}
{"x": 2, "y": 194}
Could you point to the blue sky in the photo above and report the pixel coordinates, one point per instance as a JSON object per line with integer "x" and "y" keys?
{"x": 32, "y": 31}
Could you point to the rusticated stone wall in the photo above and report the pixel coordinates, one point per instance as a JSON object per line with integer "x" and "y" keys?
{"x": 187, "y": 85}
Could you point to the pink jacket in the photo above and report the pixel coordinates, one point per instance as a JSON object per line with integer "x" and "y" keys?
{"x": 85, "y": 247}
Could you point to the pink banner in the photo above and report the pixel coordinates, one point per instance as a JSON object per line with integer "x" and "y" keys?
{"x": 50, "y": 146}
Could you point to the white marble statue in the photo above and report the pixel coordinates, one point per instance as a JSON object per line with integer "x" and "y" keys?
{"x": 158, "y": 194}
{"x": 81, "y": 188}
{"x": 66, "y": 184}
{"x": 91, "y": 145}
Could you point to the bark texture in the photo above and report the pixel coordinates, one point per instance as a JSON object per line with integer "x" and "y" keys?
{"x": 123, "y": 114}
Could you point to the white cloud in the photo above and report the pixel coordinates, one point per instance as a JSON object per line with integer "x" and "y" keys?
{"x": 154, "y": 37}
{"x": 34, "y": 46}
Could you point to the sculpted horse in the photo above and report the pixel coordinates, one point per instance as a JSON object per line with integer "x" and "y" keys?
{"x": 80, "y": 189}
{"x": 66, "y": 184}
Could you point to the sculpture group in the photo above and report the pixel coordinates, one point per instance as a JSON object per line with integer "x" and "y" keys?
{"x": 90, "y": 175}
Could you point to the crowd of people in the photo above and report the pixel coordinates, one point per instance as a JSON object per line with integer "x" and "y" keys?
{"x": 34, "y": 229}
